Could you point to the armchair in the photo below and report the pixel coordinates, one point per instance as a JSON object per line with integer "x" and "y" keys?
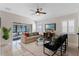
{"x": 59, "y": 44}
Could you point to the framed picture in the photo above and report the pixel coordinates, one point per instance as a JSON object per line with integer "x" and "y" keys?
{"x": 51, "y": 26}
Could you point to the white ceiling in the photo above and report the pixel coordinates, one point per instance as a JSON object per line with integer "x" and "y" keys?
{"x": 52, "y": 9}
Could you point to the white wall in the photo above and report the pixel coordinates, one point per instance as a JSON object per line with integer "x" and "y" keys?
{"x": 7, "y": 20}
{"x": 73, "y": 40}
{"x": 58, "y": 21}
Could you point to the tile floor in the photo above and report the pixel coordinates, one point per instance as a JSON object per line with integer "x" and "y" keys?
{"x": 32, "y": 49}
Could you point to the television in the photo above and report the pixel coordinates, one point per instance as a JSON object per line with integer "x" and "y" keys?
{"x": 51, "y": 26}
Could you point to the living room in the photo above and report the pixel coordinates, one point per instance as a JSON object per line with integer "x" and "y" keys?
{"x": 33, "y": 20}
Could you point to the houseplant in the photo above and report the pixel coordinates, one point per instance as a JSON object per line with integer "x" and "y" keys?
{"x": 6, "y": 32}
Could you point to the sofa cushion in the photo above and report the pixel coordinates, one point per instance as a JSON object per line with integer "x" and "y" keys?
{"x": 31, "y": 34}
{"x": 26, "y": 34}
{"x": 36, "y": 33}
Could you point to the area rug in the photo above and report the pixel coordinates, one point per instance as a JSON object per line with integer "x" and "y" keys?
{"x": 34, "y": 49}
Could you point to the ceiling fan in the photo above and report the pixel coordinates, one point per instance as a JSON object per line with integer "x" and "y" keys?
{"x": 38, "y": 11}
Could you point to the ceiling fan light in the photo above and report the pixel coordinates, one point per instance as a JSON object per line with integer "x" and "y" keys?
{"x": 37, "y": 14}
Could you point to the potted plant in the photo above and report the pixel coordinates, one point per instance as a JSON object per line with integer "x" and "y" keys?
{"x": 5, "y": 33}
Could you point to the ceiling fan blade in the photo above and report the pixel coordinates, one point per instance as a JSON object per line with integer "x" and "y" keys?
{"x": 40, "y": 9}
{"x": 43, "y": 12}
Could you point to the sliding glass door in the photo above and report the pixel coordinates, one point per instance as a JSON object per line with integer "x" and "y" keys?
{"x": 19, "y": 28}
{"x": 22, "y": 28}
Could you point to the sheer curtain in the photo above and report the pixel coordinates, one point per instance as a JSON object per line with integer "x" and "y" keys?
{"x": 64, "y": 27}
{"x": 68, "y": 26}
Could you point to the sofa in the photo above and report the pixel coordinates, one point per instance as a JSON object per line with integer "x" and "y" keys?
{"x": 29, "y": 37}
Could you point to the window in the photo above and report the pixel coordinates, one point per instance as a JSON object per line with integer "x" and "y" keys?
{"x": 68, "y": 26}
{"x": 71, "y": 26}
{"x": 20, "y": 28}
{"x": 64, "y": 26}
{"x": 23, "y": 28}
{"x": 14, "y": 28}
